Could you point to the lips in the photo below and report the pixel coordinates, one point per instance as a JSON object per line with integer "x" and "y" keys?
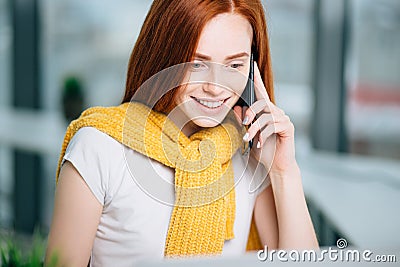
{"x": 212, "y": 104}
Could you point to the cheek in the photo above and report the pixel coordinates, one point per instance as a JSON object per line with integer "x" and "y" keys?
{"x": 177, "y": 98}
{"x": 237, "y": 87}
{"x": 180, "y": 96}
{"x": 189, "y": 90}
{"x": 236, "y": 82}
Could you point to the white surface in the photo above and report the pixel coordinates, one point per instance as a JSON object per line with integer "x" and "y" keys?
{"x": 251, "y": 259}
{"x": 359, "y": 196}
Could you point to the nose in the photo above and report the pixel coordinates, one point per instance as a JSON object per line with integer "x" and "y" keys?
{"x": 212, "y": 85}
{"x": 213, "y": 88}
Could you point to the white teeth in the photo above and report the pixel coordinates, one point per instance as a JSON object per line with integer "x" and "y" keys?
{"x": 210, "y": 104}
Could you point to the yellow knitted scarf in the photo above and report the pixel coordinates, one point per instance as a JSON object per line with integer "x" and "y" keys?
{"x": 204, "y": 211}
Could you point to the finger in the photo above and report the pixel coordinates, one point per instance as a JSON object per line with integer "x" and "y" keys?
{"x": 256, "y": 138}
{"x": 282, "y": 129}
{"x": 264, "y": 120}
{"x": 277, "y": 110}
{"x": 257, "y": 107}
{"x": 259, "y": 86}
{"x": 238, "y": 111}
{"x": 264, "y": 134}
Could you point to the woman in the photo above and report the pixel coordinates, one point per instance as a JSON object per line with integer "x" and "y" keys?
{"x": 102, "y": 211}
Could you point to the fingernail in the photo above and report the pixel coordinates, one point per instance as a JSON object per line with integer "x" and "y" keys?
{"x": 245, "y": 120}
{"x": 246, "y": 137}
{"x": 258, "y": 144}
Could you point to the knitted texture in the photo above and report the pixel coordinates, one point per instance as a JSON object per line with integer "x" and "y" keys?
{"x": 204, "y": 212}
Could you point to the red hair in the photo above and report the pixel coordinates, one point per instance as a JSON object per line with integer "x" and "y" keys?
{"x": 170, "y": 34}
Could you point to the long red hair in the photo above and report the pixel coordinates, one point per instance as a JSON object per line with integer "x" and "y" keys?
{"x": 170, "y": 34}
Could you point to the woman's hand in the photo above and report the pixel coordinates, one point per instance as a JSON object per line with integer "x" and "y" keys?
{"x": 273, "y": 136}
{"x": 272, "y": 131}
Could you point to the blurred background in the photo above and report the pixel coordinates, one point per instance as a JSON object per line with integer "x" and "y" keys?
{"x": 337, "y": 74}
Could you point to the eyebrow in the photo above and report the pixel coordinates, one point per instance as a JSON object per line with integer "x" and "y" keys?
{"x": 205, "y": 57}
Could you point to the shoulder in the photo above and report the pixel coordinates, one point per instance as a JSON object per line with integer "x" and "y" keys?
{"x": 89, "y": 140}
{"x": 95, "y": 148}
{"x": 90, "y": 136}
{"x": 97, "y": 157}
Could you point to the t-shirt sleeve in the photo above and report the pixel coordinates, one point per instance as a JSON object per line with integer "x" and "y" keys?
{"x": 87, "y": 153}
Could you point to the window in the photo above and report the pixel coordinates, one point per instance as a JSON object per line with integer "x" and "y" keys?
{"x": 5, "y": 99}
{"x": 291, "y": 32}
{"x": 5, "y": 53}
{"x": 373, "y": 106}
{"x": 90, "y": 41}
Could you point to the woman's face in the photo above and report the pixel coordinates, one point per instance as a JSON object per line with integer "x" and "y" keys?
{"x": 218, "y": 73}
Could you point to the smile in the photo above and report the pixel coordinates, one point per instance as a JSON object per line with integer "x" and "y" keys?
{"x": 210, "y": 104}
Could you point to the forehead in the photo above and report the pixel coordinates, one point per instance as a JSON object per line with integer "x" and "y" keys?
{"x": 226, "y": 34}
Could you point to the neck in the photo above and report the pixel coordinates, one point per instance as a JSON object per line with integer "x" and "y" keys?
{"x": 190, "y": 128}
{"x": 187, "y": 126}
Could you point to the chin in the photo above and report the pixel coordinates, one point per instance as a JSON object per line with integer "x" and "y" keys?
{"x": 206, "y": 122}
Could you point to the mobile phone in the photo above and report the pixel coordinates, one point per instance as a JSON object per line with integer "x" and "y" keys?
{"x": 248, "y": 98}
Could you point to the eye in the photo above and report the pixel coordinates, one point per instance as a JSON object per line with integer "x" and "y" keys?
{"x": 236, "y": 65}
{"x": 198, "y": 66}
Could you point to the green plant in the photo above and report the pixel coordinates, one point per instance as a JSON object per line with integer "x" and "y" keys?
{"x": 15, "y": 254}
{"x": 72, "y": 98}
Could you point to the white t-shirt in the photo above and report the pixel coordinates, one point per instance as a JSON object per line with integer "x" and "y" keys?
{"x": 134, "y": 223}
